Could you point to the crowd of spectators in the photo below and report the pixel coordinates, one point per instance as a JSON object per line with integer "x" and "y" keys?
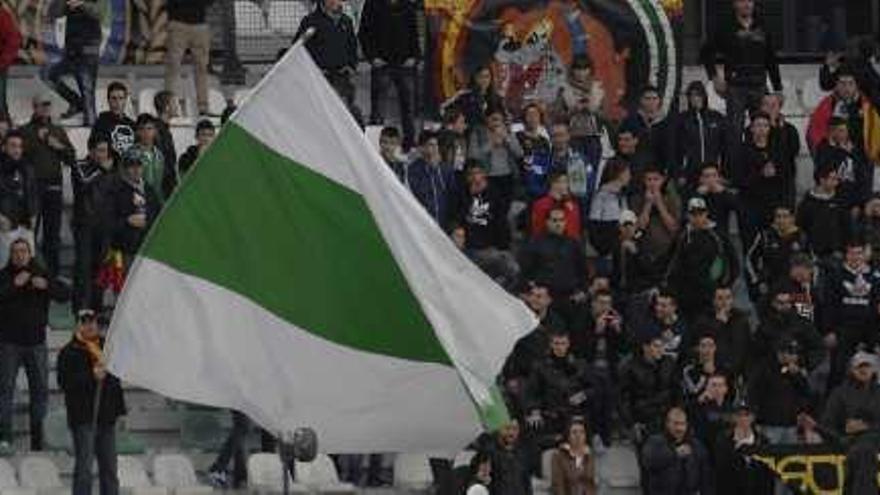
{"x": 692, "y": 303}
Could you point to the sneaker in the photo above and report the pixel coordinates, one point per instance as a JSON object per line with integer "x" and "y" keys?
{"x": 6, "y": 449}
{"x": 70, "y": 113}
{"x": 218, "y": 479}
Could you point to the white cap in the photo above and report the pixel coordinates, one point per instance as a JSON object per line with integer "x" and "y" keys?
{"x": 697, "y": 203}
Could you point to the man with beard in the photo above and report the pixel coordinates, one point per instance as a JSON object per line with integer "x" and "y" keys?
{"x": 736, "y": 471}
{"x": 674, "y": 462}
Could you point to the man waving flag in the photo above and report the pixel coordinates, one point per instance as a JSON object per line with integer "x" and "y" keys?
{"x": 294, "y": 279}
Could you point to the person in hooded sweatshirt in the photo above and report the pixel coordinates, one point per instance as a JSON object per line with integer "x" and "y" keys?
{"x": 18, "y": 194}
{"x": 700, "y": 136}
{"x": 134, "y": 206}
{"x": 113, "y": 124}
{"x": 25, "y": 291}
{"x": 430, "y": 180}
{"x": 823, "y": 216}
{"x": 763, "y": 179}
{"x": 847, "y": 157}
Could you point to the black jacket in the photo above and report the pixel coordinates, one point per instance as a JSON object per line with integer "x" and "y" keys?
{"x": 188, "y": 11}
{"x": 91, "y": 185}
{"x": 118, "y": 130}
{"x": 18, "y": 194}
{"x": 483, "y": 217}
{"x": 334, "y": 45}
{"x": 24, "y": 311}
{"x": 736, "y": 472}
{"x": 851, "y": 400}
{"x": 647, "y": 390}
{"x": 826, "y": 222}
{"x": 47, "y": 161}
{"x": 187, "y": 160}
{"x": 669, "y": 474}
{"x": 779, "y": 397}
{"x": 700, "y": 138}
{"x": 656, "y": 141}
{"x": 388, "y": 30}
{"x": 763, "y": 194}
{"x": 556, "y": 261}
{"x": 768, "y": 258}
{"x": 165, "y": 143}
{"x": 79, "y": 385}
{"x": 779, "y": 327}
{"x": 853, "y": 168}
{"x": 127, "y": 200}
{"x": 552, "y": 383}
{"x": 531, "y": 348}
{"x": 511, "y": 468}
{"x": 749, "y": 56}
{"x": 721, "y": 205}
{"x": 704, "y": 260}
{"x": 731, "y": 338}
{"x": 851, "y": 299}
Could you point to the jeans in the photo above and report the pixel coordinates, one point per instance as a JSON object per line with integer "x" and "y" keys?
{"x": 402, "y": 78}
{"x": 781, "y": 435}
{"x": 90, "y": 444}
{"x": 84, "y": 69}
{"x": 35, "y": 360}
{"x": 49, "y": 220}
{"x": 89, "y": 249}
{"x": 234, "y": 449}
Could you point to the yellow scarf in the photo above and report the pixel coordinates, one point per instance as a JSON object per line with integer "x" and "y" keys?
{"x": 92, "y": 347}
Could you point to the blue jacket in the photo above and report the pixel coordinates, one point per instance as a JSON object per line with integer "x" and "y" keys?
{"x": 433, "y": 186}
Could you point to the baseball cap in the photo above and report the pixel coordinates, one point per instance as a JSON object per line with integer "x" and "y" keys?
{"x": 862, "y": 358}
{"x": 697, "y": 204}
{"x": 628, "y": 216}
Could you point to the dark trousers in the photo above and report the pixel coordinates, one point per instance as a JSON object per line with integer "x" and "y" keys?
{"x": 4, "y": 106}
{"x": 89, "y": 251}
{"x": 741, "y": 101}
{"x": 861, "y": 465}
{"x": 49, "y": 222}
{"x": 402, "y": 78}
{"x": 234, "y": 450}
{"x": 91, "y": 443}
{"x": 84, "y": 69}
{"x": 35, "y": 360}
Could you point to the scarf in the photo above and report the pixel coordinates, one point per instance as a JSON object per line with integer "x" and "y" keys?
{"x": 92, "y": 347}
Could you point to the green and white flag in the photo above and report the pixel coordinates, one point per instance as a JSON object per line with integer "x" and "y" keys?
{"x": 294, "y": 279}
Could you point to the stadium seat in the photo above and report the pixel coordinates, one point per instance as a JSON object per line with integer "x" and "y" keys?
{"x": 812, "y": 95}
{"x": 240, "y": 95}
{"x": 463, "y": 458}
{"x": 412, "y": 472}
{"x": 373, "y": 132}
{"x": 145, "y": 100}
{"x": 40, "y": 474}
{"x": 321, "y": 475}
{"x": 792, "y": 105}
{"x": 176, "y": 473}
{"x": 133, "y": 477}
{"x": 249, "y": 19}
{"x": 216, "y": 101}
{"x": 9, "y": 483}
{"x": 265, "y": 475}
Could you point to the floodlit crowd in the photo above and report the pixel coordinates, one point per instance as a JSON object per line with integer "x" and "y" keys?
{"x": 694, "y": 304}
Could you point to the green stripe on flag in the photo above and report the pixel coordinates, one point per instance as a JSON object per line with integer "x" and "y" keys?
{"x": 295, "y": 242}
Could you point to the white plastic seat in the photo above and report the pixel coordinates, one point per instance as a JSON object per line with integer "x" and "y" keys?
{"x": 216, "y": 101}
{"x": 463, "y": 458}
{"x": 133, "y": 477}
{"x": 265, "y": 473}
{"x": 9, "y": 483}
{"x": 249, "y": 19}
{"x": 812, "y": 95}
{"x": 618, "y": 469}
{"x": 145, "y": 100}
{"x": 412, "y": 472}
{"x": 322, "y": 476}
{"x": 176, "y": 473}
{"x": 40, "y": 475}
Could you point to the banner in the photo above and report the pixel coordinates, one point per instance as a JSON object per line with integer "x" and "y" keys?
{"x": 133, "y": 31}
{"x": 816, "y": 470}
{"x": 530, "y": 43}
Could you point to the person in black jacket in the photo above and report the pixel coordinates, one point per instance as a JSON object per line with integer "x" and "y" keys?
{"x": 91, "y": 181}
{"x": 188, "y": 30}
{"x": 852, "y": 413}
{"x": 512, "y": 461}
{"x": 333, "y": 46}
{"x": 164, "y": 104}
{"x": 768, "y": 258}
{"x": 762, "y": 179}
{"x": 390, "y": 42}
{"x": 83, "y": 377}
{"x": 785, "y": 143}
{"x": 823, "y": 216}
{"x": 747, "y": 50}
{"x": 648, "y": 386}
{"x": 674, "y": 462}
{"x": 736, "y": 471}
{"x": 205, "y": 133}
{"x": 721, "y": 200}
{"x": 847, "y": 157}
{"x": 700, "y": 137}
{"x": 704, "y": 259}
{"x": 732, "y": 332}
{"x": 780, "y": 394}
{"x": 653, "y": 130}
{"x": 134, "y": 207}
{"x": 114, "y": 125}
{"x": 25, "y": 291}
{"x": 781, "y": 323}
{"x": 18, "y": 193}
{"x": 82, "y": 42}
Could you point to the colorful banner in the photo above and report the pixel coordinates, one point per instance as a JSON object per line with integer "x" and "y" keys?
{"x": 134, "y": 31}
{"x": 530, "y": 43}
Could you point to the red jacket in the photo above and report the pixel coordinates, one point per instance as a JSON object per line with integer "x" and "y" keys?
{"x": 541, "y": 210}
{"x": 10, "y": 39}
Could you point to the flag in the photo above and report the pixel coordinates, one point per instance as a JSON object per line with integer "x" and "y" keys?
{"x": 294, "y": 279}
